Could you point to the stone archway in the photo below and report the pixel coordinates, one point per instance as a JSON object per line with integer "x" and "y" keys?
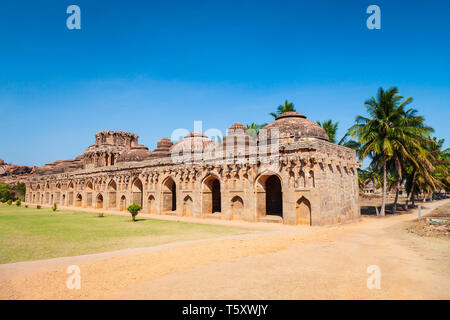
{"x": 151, "y": 204}
{"x": 78, "y": 200}
{"x": 89, "y": 189}
{"x": 70, "y": 195}
{"x": 237, "y": 208}
{"x": 99, "y": 201}
{"x": 211, "y": 195}
{"x": 123, "y": 203}
{"x": 187, "y": 206}
{"x": 112, "y": 189}
{"x": 303, "y": 211}
{"x": 269, "y": 196}
{"x": 169, "y": 195}
{"x": 137, "y": 191}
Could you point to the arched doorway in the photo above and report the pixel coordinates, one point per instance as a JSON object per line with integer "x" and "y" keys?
{"x": 237, "y": 208}
{"x": 136, "y": 190}
{"x": 123, "y": 203}
{"x": 38, "y": 194}
{"x": 187, "y": 206}
{"x": 303, "y": 211}
{"x": 274, "y": 202}
{"x": 63, "y": 200}
{"x": 269, "y": 196}
{"x": 99, "y": 201}
{"x": 89, "y": 189}
{"x": 112, "y": 189}
{"x": 58, "y": 194}
{"x": 151, "y": 204}
{"x": 211, "y": 195}
{"x": 70, "y": 195}
{"x": 79, "y": 200}
{"x": 169, "y": 195}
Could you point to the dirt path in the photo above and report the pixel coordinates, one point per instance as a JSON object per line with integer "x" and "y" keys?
{"x": 286, "y": 263}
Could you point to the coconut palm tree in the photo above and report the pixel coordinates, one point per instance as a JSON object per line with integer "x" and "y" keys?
{"x": 288, "y": 106}
{"x": 390, "y": 132}
{"x": 330, "y": 128}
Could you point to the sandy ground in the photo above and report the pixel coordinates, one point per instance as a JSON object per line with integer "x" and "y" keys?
{"x": 279, "y": 262}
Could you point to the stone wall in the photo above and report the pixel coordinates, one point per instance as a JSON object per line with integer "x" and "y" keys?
{"x": 319, "y": 186}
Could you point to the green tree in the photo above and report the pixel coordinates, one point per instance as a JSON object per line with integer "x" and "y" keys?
{"x": 134, "y": 209}
{"x": 390, "y": 132}
{"x": 330, "y": 128}
{"x": 282, "y": 108}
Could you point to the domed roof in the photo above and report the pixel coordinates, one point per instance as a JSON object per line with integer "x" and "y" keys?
{"x": 194, "y": 142}
{"x": 293, "y": 126}
{"x": 162, "y": 148}
{"x": 138, "y": 153}
{"x": 237, "y": 127}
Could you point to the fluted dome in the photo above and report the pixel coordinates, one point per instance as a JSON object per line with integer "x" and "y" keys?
{"x": 162, "y": 148}
{"x": 238, "y": 128}
{"x": 138, "y": 153}
{"x": 193, "y": 142}
{"x": 293, "y": 126}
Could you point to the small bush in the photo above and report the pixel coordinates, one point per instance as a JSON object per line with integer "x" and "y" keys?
{"x": 54, "y": 207}
{"x": 134, "y": 209}
{"x": 18, "y": 203}
{"x": 2, "y": 200}
{"x": 100, "y": 215}
{"x": 26, "y": 206}
{"x": 38, "y": 207}
{"x": 9, "y": 202}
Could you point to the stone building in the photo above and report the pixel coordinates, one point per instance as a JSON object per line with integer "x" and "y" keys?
{"x": 287, "y": 173}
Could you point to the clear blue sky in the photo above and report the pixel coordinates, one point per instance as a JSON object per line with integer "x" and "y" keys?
{"x": 150, "y": 67}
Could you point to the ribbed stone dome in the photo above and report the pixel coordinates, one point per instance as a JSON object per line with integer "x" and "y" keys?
{"x": 138, "y": 153}
{"x": 193, "y": 142}
{"x": 293, "y": 126}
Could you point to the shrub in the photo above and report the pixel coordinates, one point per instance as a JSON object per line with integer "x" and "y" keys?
{"x": 38, "y": 207}
{"x": 100, "y": 215}
{"x": 9, "y": 202}
{"x": 18, "y": 203}
{"x": 134, "y": 209}
{"x": 26, "y": 206}
{"x": 54, "y": 207}
{"x": 2, "y": 200}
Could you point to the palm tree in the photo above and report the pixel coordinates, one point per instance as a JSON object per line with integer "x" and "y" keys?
{"x": 330, "y": 128}
{"x": 288, "y": 106}
{"x": 253, "y": 128}
{"x": 390, "y": 132}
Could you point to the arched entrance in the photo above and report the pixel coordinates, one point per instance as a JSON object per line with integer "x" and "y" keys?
{"x": 63, "y": 200}
{"x": 112, "y": 189}
{"x": 303, "y": 211}
{"x": 136, "y": 190}
{"x": 151, "y": 204}
{"x": 79, "y": 200}
{"x": 99, "y": 201}
{"x": 274, "y": 202}
{"x": 211, "y": 195}
{"x": 123, "y": 203}
{"x": 269, "y": 196}
{"x": 237, "y": 208}
{"x": 169, "y": 195}
{"x": 58, "y": 194}
{"x": 187, "y": 206}
{"x": 70, "y": 195}
{"x": 89, "y": 189}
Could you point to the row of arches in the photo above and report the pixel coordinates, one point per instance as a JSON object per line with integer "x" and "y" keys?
{"x": 268, "y": 191}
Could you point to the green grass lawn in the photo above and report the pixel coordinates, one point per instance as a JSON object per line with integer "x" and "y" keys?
{"x": 32, "y": 234}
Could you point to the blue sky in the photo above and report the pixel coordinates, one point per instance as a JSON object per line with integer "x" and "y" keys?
{"x": 150, "y": 67}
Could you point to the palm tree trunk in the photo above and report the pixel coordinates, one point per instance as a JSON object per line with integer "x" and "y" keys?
{"x": 383, "y": 201}
{"x": 411, "y": 193}
{"x": 396, "y": 198}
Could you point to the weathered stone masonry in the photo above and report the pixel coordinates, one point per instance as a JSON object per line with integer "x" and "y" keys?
{"x": 311, "y": 181}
